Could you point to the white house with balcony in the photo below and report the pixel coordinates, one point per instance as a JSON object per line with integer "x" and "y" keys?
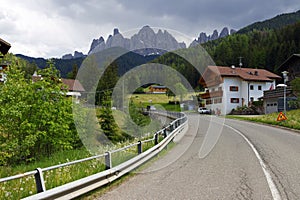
{"x": 228, "y": 87}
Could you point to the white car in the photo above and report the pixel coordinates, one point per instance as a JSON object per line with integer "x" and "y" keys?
{"x": 203, "y": 110}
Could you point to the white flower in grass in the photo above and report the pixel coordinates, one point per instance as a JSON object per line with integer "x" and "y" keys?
{"x": 21, "y": 189}
{"x": 7, "y": 194}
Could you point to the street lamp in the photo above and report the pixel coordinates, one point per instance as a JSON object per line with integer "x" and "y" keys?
{"x": 285, "y": 78}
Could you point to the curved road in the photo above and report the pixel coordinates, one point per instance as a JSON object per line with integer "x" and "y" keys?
{"x": 232, "y": 170}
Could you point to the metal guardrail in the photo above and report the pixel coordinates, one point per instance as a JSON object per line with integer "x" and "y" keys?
{"x": 84, "y": 185}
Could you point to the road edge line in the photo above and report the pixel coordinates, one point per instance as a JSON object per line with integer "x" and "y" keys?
{"x": 274, "y": 191}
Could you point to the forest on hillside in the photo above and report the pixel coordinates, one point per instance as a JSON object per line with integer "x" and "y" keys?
{"x": 266, "y": 49}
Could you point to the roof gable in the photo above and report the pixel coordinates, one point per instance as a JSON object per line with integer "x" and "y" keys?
{"x": 212, "y": 73}
{"x": 73, "y": 85}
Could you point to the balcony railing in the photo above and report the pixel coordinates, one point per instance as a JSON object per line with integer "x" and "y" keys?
{"x": 208, "y": 95}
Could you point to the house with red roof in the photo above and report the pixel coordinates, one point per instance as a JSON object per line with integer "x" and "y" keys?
{"x": 73, "y": 86}
{"x": 158, "y": 89}
{"x": 228, "y": 87}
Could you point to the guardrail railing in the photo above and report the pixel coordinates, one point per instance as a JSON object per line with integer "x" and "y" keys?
{"x": 84, "y": 185}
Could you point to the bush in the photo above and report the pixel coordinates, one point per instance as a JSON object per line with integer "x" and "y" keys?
{"x": 36, "y": 118}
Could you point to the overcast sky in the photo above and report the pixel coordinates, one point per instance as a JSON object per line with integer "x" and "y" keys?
{"x": 52, "y": 28}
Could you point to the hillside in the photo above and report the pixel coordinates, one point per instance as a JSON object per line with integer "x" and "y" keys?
{"x": 277, "y": 22}
{"x": 63, "y": 65}
{"x": 259, "y": 49}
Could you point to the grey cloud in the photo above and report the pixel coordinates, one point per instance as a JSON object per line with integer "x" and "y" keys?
{"x": 94, "y": 18}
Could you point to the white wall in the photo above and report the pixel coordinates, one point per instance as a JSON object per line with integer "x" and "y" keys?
{"x": 232, "y": 81}
{"x": 242, "y": 94}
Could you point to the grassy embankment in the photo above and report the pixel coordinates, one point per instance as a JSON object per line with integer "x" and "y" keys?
{"x": 293, "y": 120}
{"x": 20, "y": 188}
{"x": 23, "y": 187}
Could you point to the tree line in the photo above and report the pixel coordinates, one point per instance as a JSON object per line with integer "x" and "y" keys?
{"x": 267, "y": 48}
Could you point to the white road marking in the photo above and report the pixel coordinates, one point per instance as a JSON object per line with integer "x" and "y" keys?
{"x": 274, "y": 191}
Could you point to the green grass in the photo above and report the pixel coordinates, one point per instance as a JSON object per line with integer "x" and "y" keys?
{"x": 23, "y": 187}
{"x": 20, "y": 188}
{"x": 171, "y": 107}
{"x": 150, "y": 98}
{"x": 143, "y": 100}
{"x": 293, "y": 119}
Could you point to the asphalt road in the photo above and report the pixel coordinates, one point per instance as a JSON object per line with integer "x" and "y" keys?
{"x": 249, "y": 161}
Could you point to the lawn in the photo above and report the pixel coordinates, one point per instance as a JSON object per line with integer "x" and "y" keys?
{"x": 293, "y": 119}
{"x": 143, "y": 100}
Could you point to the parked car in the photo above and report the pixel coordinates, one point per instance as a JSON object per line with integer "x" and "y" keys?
{"x": 203, "y": 110}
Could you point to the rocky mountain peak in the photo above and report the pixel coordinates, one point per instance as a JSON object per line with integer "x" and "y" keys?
{"x": 224, "y": 32}
{"x": 70, "y": 56}
{"x": 203, "y": 37}
{"x": 146, "y": 38}
{"x": 116, "y": 31}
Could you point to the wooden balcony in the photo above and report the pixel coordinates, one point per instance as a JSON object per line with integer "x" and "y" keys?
{"x": 214, "y": 94}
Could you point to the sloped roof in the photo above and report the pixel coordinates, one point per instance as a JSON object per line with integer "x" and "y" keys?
{"x": 286, "y": 63}
{"x": 248, "y": 74}
{"x": 4, "y": 46}
{"x": 73, "y": 85}
{"x": 158, "y": 87}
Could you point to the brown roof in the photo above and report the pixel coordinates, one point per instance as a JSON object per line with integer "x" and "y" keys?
{"x": 73, "y": 85}
{"x": 247, "y": 74}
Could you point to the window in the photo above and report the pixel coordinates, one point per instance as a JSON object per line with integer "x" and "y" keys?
{"x": 251, "y": 87}
{"x": 212, "y": 90}
{"x": 259, "y": 87}
{"x": 220, "y": 89}
{"x": 234, "y": 100}
{"x": 234, "y": 88}
{"x": 251, "y": 99}
{"x": 217, "y": 100}
{"x": 208, "y": 101}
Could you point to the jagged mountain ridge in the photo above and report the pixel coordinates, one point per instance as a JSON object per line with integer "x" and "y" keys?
{"x": 70, "y": 56}
{"x": 203, "y": 37}
{"x": 145, "y": 42}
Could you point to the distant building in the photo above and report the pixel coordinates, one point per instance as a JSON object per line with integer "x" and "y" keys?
{"x": 3, "y": 68}
{"x": 4, "y": 47}
{"x": 158, "y": 89}
{"x": 228, "y": 87}
{"x": 273, "y": 99}
{"x": 74, "y": 87}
